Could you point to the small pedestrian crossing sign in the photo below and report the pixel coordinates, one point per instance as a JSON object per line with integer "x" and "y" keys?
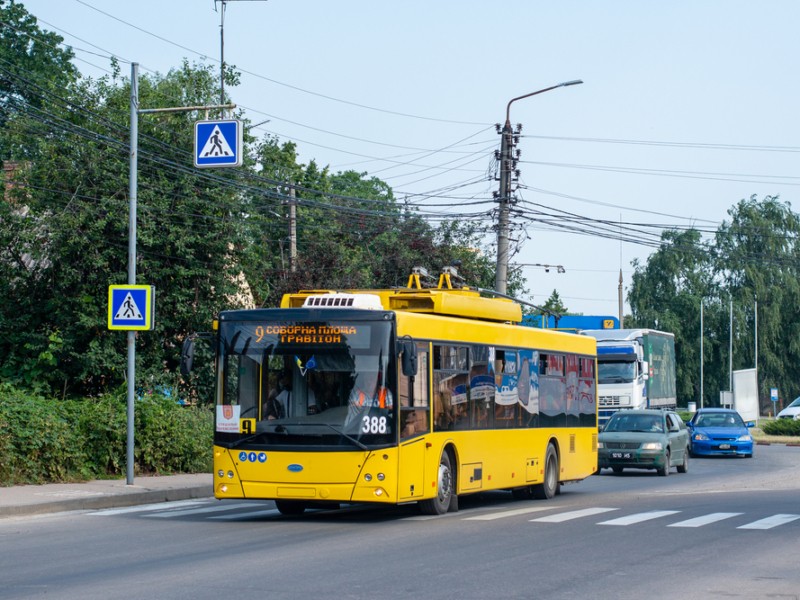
{"x": 131, "y": 307}
{"x": 218, "y": 143}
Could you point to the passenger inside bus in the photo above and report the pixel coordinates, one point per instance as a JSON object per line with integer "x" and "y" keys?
{"x": 278, "y": 401}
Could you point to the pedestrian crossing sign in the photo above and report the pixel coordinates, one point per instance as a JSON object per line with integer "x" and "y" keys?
{"x": 218, "y": 143}
{"x": 131, "y": 307}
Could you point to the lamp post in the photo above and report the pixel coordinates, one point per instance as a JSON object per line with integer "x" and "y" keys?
{"x": 558, "y": 268}
{"x": 504, "y": 195}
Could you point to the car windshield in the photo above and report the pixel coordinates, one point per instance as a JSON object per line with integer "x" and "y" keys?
{"x": 795, "y": 403}
{"x": 625, "y": 422}
{"x": 719, "y": 420}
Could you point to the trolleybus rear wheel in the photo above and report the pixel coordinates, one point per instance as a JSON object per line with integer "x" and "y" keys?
{"x": 548, "y": 488}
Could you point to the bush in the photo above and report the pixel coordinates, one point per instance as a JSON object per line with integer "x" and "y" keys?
{"x": 788, "y": 427}
{"x": 37, "y": 443}
{"x": 44, "y": 440}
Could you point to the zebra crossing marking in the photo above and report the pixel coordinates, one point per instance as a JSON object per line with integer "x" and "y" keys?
{"x": 705, "y": 519}
{"x": 770, "y": 522}
{"x": 573, "y": 514}
{"x": 640, "y": 517}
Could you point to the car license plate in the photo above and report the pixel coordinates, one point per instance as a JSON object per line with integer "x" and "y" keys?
{"x": 620, "y": 455}
{"x": 724, "y": 446}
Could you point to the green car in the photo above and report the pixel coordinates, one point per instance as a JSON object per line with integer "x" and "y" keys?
{"x": 644, "y": 439}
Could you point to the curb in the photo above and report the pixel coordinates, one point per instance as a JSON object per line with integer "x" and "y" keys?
{"x": 102, "y": 500}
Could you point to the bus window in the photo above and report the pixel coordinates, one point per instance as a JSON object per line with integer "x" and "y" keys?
{"x": 482, "y": 387}
{"x": 413, "y": 397}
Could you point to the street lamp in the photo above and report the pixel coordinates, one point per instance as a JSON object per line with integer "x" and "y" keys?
{"x": 504, "y": 195}
{"x": 558, "y": 268}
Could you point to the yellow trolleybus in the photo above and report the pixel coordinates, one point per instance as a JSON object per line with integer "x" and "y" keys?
{"x": 394, "y": 396}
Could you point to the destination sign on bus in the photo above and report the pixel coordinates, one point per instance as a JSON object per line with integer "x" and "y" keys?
{"x": 307, "y": 333}
{"x": 301, "y": 334}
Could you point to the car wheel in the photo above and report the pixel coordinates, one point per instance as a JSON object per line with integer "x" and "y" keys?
{"x": 548, "y": 488}
{"x": 440, "y": 504}
{"x": 684, "y": 466}
{"x": 664, "y": 471}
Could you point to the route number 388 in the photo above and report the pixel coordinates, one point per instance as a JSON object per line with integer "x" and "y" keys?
{"x": 373, "y": 424}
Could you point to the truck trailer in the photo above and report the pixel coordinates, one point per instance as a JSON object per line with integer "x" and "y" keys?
{"x": 635, "y": 369}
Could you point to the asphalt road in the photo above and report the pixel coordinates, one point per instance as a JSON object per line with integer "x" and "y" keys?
{"x": 727, "y": 528}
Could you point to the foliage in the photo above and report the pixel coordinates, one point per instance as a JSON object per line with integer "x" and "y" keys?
{"x": 44, "y": 440}
{"x": 782, "y": 427}
{"x": 554, "y": 306}
{"x": 753, "y": 257}
{"x": 26, "y": 49}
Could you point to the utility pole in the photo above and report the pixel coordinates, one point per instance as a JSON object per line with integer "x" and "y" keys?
{"x": 222, "y": 45}
{"x": 621, "y": 304}
{"x": 507, "y": 165}
{"x": 292, "y": 231}
{"x": 508, "y": 161}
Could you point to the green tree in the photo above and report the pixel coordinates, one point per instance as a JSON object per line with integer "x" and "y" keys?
{"x": 68, "y": 233}
{"x": 758, "y": 256}
{"x": 30, "y": 58}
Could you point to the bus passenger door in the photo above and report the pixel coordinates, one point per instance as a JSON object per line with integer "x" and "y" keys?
{"x": 412, "y": 469}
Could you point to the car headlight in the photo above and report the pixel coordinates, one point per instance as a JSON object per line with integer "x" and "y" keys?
{"x": 744, "y": 438}
{"x": 652, "y": 446}
{"x": 600, "y": 445}
{"x": 699, "y": 436}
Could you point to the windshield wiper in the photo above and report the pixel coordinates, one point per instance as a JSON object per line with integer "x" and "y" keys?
{"x": 340, "y": 432}
{"x": 249, "y": 438}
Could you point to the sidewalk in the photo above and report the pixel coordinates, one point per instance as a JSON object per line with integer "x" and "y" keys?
{"x": 91, "y": 495}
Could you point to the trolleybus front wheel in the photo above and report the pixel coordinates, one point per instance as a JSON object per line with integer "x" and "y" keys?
{"x": 445, "y": 494}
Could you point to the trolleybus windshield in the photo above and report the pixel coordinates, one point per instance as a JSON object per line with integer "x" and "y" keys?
{"x": 294, "y": 383}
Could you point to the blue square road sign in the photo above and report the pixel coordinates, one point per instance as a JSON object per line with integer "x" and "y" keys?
{"x": 131, "y": 307}
{"x": 218, "y": 143}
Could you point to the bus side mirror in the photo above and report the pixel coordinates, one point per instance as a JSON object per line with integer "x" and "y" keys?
{"x": 408, "y": 350}
{"x": 187, "y": 356}
{"x": 645, "y": 369}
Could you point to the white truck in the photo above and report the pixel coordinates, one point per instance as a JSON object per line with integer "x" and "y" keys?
{"x": 635, "y": 369}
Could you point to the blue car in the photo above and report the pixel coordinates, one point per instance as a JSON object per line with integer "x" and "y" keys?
{"x": 719, "y": 432}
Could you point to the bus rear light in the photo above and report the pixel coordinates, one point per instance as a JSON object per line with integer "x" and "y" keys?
{"x": 221, "y": 473}
{"x": 381, "y": 477}
{"x": 378, "y": 492}
{"x": 367, "y": 477}
{"x": 230, "y": 474}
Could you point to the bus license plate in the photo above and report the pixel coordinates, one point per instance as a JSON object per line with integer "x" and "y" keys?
{"x": 620, "y": 455}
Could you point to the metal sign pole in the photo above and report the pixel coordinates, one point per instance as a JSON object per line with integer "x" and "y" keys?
{"x": 134, "y": 158}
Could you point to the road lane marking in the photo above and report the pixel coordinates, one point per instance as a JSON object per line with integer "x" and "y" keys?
{"x": 640, "y": 517}
{"x": 770, "y": 522}
{"x": 705, "y": 519}
{"x": 573, "y": 514}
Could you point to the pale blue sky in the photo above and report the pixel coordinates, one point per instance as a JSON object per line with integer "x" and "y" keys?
{"x": 687, "y": 106}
